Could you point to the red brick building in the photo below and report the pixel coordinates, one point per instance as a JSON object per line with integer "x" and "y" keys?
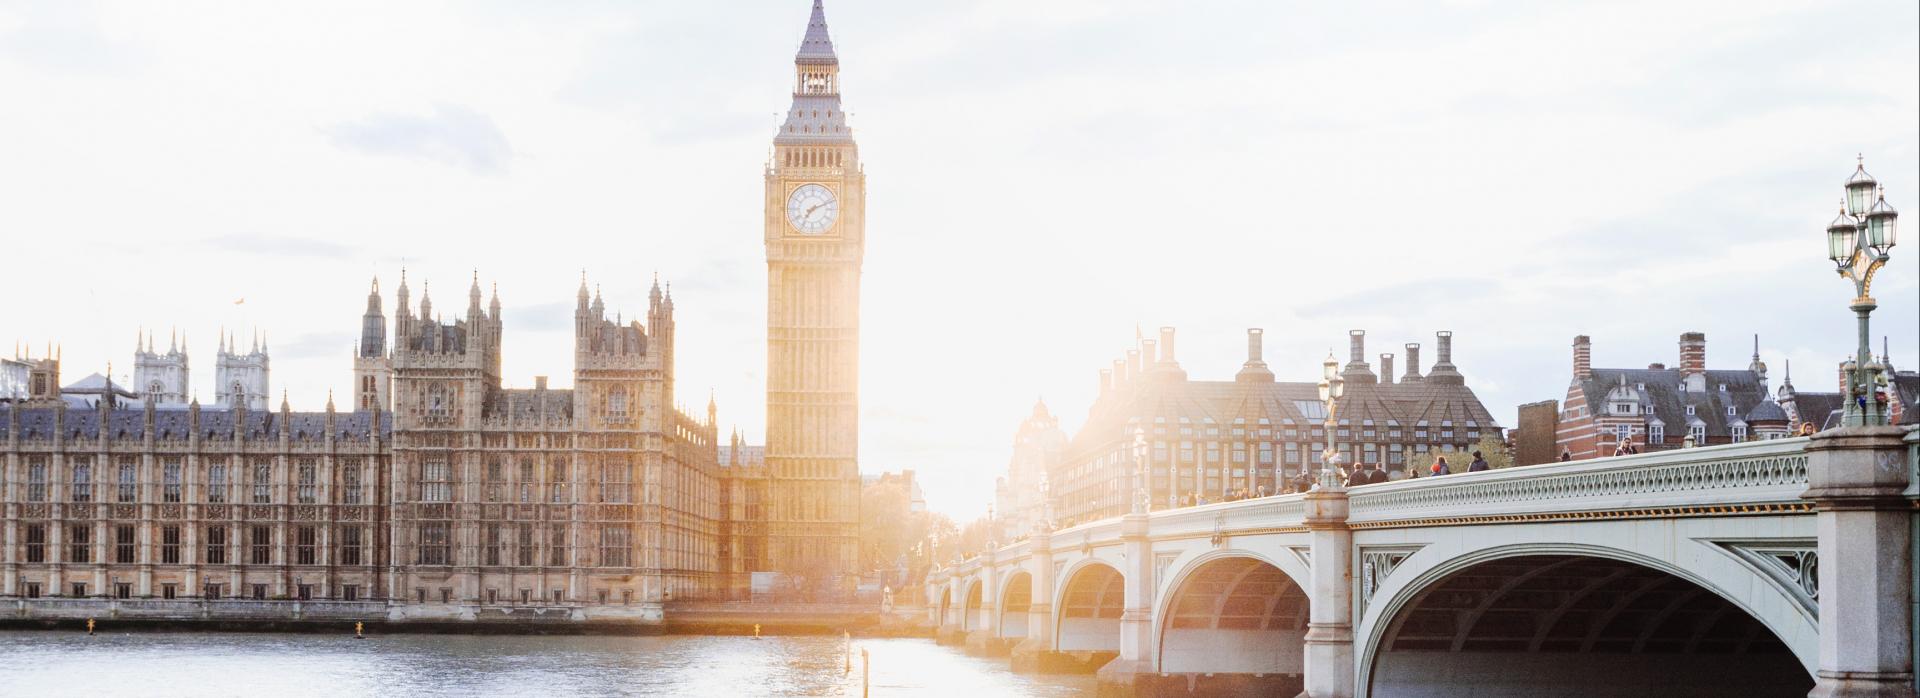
{"x": 1657, "y": 408}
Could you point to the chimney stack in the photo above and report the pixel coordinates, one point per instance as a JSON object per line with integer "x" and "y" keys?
{"x": 1256, "y": 367}
{"x": 1413, "y": 363}
{"x": 1386, "y": 369}
{"x": 1582, "y": 357}
{"x": 1106, "y": 381}
{"x": 1132, "y": 369}
{"x": 1119, "y": 372}
{"x": 1693, "y": 361}
{"x": 1357, "y": 370}
{"x": 1443, "y": 369}
{"x": 1147, "y": 352}
{"x": 1166, "y": 345}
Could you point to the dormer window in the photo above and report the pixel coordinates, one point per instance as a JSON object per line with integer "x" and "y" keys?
{"x": 1723, "y": 387}
{"x": 1640, "y": 386}
{"x": 1730, "y": 412}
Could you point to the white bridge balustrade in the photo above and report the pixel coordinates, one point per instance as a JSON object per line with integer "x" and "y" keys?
{"x": 1768, "y": 568}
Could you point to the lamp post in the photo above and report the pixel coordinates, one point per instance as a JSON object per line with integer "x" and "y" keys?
{"x": 1142, "y": 497}
{"x": 1332, "y": 386}
{"x": 1859, "y": 241}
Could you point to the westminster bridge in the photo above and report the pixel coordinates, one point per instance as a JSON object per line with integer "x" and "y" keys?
{"x": 1767, "y": 568}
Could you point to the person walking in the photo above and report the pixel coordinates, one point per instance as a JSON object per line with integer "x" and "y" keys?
{"x": 1357, "y": 477}
{"x": 1440, "y": 465}
{"x": 1479, "y": 464}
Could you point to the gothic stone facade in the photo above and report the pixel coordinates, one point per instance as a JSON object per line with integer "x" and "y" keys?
{"x": 462, "y": 500}
{"x": 815, "y": 238}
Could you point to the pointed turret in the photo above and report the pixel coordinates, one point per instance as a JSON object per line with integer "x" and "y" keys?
{"x": 816, "y": 116}
{"x": 817, "y": 45}
{"x": 373, "y": 325}
{"x": 473, "y": 296}
{"x": 493, "y": 305}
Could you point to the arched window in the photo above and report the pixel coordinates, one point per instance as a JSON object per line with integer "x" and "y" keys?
{"x": 154, "y": 389}
{"x": 617, "y": 403}
{"x": 437, "y": 401}
{"x": 239, "y": 395}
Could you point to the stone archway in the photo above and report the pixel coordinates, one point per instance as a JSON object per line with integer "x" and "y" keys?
{"x": 1571, "y": 624}
{"x": 1233, "y": 614}
{"x": 1016, "y": 598}
{"x": 1089, "y": 608}
{"x": 946, "y": 603}
{"x": 972, "y": 616}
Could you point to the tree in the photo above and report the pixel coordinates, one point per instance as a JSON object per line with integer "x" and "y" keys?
{"x": 887, "y": 528}
{"x": 1493, "y": 449}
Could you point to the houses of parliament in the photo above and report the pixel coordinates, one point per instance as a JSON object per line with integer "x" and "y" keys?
{"x": 438, "y": 494}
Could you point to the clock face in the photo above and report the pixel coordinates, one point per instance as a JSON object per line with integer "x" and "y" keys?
{"x": 812, "y": 209}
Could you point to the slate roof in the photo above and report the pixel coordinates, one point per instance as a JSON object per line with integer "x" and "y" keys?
{"x": 216, "y": 423}
{"x": 1906, "y": 388}
{"x": 1281, "y": 403}
{"x": 1664, "y": 398}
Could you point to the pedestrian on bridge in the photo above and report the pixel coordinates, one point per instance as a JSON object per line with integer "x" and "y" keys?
{"x": 1440, "y": 465}
{"x": 1479, "y": 464}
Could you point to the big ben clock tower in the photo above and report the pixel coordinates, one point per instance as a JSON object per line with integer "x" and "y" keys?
{"x": 815, "y": 236}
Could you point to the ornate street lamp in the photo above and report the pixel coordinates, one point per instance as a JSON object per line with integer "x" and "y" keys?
{"x": 1859, "y": 241}
{"x": 1332, "y": 386}
{"x": 1142, "y": 497}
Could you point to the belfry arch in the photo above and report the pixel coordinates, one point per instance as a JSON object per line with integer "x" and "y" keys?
{"x": 1570, "y": 624}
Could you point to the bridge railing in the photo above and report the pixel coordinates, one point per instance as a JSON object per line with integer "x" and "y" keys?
{"x": 1755, "y": 477}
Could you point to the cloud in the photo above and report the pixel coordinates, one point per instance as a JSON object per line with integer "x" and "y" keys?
{"x": 453, "y": 135}
{"x": 315, "y": 345}
{"x": 67, "y": 38}
{"x": 272, "y": 246}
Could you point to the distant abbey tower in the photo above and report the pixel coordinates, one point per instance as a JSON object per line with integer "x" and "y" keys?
{"x": 815, "y": 236}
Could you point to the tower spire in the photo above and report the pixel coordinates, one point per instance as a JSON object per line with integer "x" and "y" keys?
{"x": 816, "y": 46}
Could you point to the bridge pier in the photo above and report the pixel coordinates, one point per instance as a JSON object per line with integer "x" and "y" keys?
{"x": 1329, "y": 641}
{"x": 1123, "y": 675}
{"x": 1857, "y": 479}
{"x": 1033, "y": 654}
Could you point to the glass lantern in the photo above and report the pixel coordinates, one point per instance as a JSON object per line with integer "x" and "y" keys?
{"x": 1840, "y": 236}
{"x": 1860, "y": 189}
{"x": 1881, "y": 232}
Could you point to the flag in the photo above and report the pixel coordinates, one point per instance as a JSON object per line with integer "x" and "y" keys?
{"x": 241, "y": 301}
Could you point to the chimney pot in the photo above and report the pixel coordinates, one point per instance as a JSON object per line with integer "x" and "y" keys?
{"x": 1255, "y": 352}
{"x": 1386, "y": 369}
{"x": 1356, "y": 346}
{"x": 1413, "y": 363}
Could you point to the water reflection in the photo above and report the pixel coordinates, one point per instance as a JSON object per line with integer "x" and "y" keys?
{"x": 63, "y": 663}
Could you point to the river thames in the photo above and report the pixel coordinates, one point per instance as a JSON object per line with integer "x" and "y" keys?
{"x": 64, "y": 663}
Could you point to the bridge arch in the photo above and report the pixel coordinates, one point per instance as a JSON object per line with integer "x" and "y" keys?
{"x": 1231, "y": 611}
{"x": 972, "y": 615}
{"x": 1087, "y": 608}
{"x": 1016, "y": 598}
{"x": 946, "y": 605}
{"x": 1515, "y": 620}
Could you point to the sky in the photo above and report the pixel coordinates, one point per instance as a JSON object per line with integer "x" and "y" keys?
{"x": 1043, "y": 178}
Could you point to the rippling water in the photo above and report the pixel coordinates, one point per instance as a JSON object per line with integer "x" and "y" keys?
{"x": 65, "y": 663}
